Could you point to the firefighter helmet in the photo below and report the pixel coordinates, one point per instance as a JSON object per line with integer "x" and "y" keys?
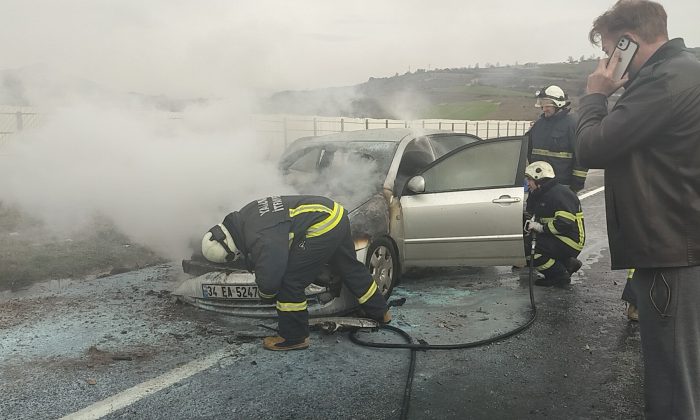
{"x": 218, "y": 245}
{"x": 538, "y": 170}
{"x": 552, "y": 94}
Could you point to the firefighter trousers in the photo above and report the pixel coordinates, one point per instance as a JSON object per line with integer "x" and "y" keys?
{"x": 550, "y": 255}
{"x": 306, "y": 260}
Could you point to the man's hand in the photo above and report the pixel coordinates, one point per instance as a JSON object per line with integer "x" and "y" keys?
{"x": 601, "y": 81}
{"x": 531, "y": 225}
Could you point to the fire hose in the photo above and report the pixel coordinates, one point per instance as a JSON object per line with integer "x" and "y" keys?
{"x": 424, "y": 346}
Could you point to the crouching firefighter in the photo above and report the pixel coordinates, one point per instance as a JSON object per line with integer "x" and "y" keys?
{"x": 557, "y": 225}
{"x": 286, "y": 241}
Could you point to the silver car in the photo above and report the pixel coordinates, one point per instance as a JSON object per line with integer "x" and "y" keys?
{"x": 415, "y": 198}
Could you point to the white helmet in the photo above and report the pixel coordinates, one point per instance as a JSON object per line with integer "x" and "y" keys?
{"x": 553, "y": 94}
{"x": 218, "y": 245}
{"x": 538, "y": 170}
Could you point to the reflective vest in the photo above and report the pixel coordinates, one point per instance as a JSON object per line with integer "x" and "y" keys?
{"x": 553, "y": 140}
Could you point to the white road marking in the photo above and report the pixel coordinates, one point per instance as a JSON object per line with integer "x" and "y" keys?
{"x": 140, "y": 391}
{"x": 590, "y": 193}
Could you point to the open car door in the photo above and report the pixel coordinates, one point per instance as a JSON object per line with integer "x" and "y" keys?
{"x": 466, "y": 208}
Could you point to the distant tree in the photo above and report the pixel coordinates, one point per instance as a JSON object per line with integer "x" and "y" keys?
{"x": 476, "y": 66}
{"x": 582, "y": 59}
{"x": 571, "y": 60}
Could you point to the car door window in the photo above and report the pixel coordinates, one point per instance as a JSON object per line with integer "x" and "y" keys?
{"x": 445, "y": 143}
{"x": 484, "y": 165}
{"x": 416, "y": 156}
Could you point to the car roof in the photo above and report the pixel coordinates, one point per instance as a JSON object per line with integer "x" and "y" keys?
{"x": 375, "y": 134}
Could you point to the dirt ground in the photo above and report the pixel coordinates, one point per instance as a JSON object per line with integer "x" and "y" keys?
{"x": 30, "y": 252}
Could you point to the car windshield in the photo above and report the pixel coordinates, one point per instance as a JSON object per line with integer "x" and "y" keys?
{"x": 348, "y": 172}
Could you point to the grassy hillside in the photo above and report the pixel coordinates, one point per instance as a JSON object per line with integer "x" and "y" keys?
{"x": 462, "y": 93}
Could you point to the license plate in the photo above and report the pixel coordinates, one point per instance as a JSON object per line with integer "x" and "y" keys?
{"x": 227, "y": 291}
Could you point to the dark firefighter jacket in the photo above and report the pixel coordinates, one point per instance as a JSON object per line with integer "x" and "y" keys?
{"x": 553, "y": 140}
{"x": 264, "y": 230}
{"x": 559, "y": 210}
{"x": 649, "y": 146}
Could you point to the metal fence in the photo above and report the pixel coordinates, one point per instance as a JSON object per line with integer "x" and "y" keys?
{"x": 283, "y": 129}
{"x": 275, "y": 132}
{"x": 14, "y": 119}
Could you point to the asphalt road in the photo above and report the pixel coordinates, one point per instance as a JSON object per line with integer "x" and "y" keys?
{"x": 121, "y": 347}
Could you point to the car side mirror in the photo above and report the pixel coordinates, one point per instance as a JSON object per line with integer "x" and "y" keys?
{"x": 416, "y": 184}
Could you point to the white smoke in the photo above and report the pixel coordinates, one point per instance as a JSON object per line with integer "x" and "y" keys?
{"x": 161, "y": 181}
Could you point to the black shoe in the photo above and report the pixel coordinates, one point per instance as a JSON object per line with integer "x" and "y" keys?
{"x": 572, "y": 265}
{"x": 556, "y": 281}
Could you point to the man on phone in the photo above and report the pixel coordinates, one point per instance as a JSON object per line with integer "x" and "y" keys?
{"x": 553, "y": 135}
{"x": 649, "y": 146}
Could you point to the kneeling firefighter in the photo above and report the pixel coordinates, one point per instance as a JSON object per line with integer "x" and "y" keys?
{"x": 286, "y": 241}
{"x": 557, "y": 224}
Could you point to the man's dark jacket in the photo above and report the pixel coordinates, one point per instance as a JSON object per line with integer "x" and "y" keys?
{"x": 264, "y": 230}
{"x": 553, "y": 140}
{"x": 649, "y": 146}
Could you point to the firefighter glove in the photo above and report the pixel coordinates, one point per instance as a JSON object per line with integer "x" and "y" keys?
{"x": 531, "y": 226}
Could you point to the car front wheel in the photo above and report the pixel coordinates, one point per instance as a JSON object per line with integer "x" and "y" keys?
{"x": 383, "y": 265}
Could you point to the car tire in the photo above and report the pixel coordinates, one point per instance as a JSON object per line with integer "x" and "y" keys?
{"x": 383, "y": 264}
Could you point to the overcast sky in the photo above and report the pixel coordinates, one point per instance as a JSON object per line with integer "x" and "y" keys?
{"x": 205, "y": 48}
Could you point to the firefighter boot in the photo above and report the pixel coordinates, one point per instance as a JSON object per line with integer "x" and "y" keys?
{"x": 572, "y": 265}
{"x": 277, "y": 343}
{"x": 385, "y": 319}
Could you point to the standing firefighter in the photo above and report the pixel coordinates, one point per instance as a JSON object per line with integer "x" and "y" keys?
{"x": 553, "y": 137}
{"x": 286, "y": 241}
{"x": 557, "y": 224}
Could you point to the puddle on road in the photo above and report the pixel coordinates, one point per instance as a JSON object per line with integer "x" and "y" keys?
{"x": 64, "y": 317}
{"x": 462, "y": 305}
{"x": 433, "y": 297}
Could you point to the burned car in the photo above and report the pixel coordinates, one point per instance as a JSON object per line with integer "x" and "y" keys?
{"x": 415, "y": 198}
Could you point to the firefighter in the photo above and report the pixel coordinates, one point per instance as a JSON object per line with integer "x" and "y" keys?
{"x": 630, "y": 298}
{"x": 286, "y": 241}
{"x": 553, "y": 136}
{"x": 557, "y": 224}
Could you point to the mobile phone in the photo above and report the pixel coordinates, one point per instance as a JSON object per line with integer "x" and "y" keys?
{"x": 627, "y": 49}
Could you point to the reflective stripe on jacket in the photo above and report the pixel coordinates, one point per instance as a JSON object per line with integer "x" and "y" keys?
{"x": 265, "y": 229}
{"x": 553, "y": 140}
{"x": 559, "y": 210}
